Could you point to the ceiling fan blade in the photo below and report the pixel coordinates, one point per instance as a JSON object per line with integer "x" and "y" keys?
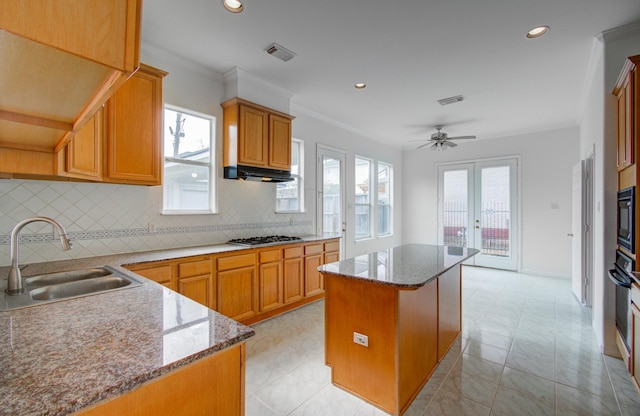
{"x": 461, "y": 137}
{"x": 421, "y": 146}
{"x": 448, "y": 143}
{"x": 421, "y": 140}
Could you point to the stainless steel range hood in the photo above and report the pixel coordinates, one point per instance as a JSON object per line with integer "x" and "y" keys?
{"x": 250, "y": 173}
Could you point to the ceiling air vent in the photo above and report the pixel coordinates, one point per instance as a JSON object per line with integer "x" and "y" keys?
{"x": 280, "y": 52}
{"x": 451, "y": 100}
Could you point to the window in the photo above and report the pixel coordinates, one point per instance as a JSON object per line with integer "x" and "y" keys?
{"x": 188, "y": 185}
{"x": 363, "y": 198}
{"x": 385, "y": 180}
{"x": 290, "y": 195}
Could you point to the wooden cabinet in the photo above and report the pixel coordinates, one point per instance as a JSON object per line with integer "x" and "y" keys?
{"x": 449, "y": 309}
{"x": 59, "y": 71}
{"x": 195, "y": 281}
{"x": 331, "y": 251}
{"x": 122, "y": 142}
{"x": 213, "y": 385}
{"x": 248, "y": 285}
{"x": 134, "y": 130}
{"x": 293, "y": 274}
{"x": 313, "y": 258}
{"x": 635, "y": 337}
{"x": 237, "y": 286}
{"x": 255, "y": 136}
{"x": 270, "y": 283}
{"x": 626, "y": 92}
{"x": 159, "y": 272}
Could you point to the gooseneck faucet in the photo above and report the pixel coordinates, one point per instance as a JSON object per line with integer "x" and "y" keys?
{"x": 14, "y": 283}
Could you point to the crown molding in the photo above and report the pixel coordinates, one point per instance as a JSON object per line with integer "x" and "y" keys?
{"x": 236, "y": 73}
{"x": 618, "y": 33}
{"x": 172, "y": 59}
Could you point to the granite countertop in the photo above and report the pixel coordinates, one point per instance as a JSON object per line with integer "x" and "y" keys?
{"x": 406, "y": 267}
{"x": 60, "y": 357}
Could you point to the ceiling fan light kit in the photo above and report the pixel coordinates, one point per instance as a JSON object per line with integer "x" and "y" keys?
{"x": 441, "y": 140}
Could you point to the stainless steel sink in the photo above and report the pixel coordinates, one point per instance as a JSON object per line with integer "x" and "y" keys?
{"x": 64, "y": 277}
{"x": 54, "y": 287}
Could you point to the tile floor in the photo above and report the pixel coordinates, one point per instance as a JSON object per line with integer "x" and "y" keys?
{"x": 527, "y": 348}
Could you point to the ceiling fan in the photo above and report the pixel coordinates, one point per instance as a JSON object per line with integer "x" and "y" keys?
{"x": 441, "y": 141}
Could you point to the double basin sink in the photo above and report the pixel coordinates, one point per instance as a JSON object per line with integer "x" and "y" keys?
{"x": 54, "y": 287}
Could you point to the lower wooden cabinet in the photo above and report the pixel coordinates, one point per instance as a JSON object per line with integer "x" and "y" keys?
{"x": 293, "y": 275}
{"x": 237, "y": 286}
{"x": 213, "y": 385}
{"x": 195, "y": 281}
{"x": 247, "y": 285}
{"x": 313, "y": 258}
{"x": 270, "y": 280}
{"x": 449, "y": 310}
{"x": 635, "y": 340}
{"x": 161, "y": 272}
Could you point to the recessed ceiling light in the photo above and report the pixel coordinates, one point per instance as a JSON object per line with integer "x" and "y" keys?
{"x": 360, "y": 85}
{"x": 537, "y": 32}
{"x": 234, "y": 6}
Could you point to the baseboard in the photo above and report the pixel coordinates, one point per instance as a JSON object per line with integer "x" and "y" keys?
{"x": 545, "y": 274}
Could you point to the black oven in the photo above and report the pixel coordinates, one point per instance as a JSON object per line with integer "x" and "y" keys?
{"x": 621, "y": 276}
{"x": 626, "y": 219}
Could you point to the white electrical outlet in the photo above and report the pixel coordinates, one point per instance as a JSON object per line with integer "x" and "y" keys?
{"x": 361, "y": 339}
{"x": 152, "y": 227}
{"x": 291, "y": 221}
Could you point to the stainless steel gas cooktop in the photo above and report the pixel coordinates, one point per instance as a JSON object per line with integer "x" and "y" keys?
{"x": 270, "y": 240}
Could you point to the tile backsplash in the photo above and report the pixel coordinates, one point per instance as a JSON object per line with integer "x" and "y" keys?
{"x": 109, "y": 219}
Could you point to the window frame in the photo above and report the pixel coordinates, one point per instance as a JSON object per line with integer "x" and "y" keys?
{"x": 299, "y": 178}
{"x": 211, "y": 164}
{"x": 377, "y": 200}
{"x": 370, "y": 204}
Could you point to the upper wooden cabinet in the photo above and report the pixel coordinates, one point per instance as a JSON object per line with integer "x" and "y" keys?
{"x": 60, "y": 61}
{"x": 627, "y": 93}
{"x": 256, "y": 136}
{"x": 134, "y": 130}
{"x": 122, "y": 142}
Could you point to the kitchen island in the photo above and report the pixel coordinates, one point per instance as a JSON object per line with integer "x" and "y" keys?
{"x": 390, "y": 317}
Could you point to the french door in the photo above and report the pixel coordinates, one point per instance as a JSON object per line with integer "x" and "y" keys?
{"x": 331, "y": 194}
{"x": 477, "y": 208}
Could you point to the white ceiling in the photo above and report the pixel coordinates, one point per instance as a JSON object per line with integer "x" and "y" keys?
{"x": 410, "y": 53}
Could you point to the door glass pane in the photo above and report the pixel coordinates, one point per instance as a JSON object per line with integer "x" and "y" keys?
{"x": 363, "y": 198}
{"x": 331, "y": 203}
{"x": 495, "y": 211}
{"x": 455, "y": 208}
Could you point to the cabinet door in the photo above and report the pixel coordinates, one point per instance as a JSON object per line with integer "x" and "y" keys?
{"x": 134, "y": 126}
{"x": 635, "y": 344}
{"x": 625, "y": 145}
{"x": 237, "y": 293}
{"x": 253, "y": 139}
{"x": 293, "y": 277}
{"x": 158, "y": 273}
{"x": 270, "y": 286}
{"x": 313, "y": 283}
{"x": 279, "y": 142}
{"x": 84, "y": 153}
{"x": 331, "y": 257}
{"x": 196, "y": 288}
{"x": 449, "y": 312}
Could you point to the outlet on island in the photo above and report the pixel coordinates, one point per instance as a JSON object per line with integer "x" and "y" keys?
{"x": 361, "y": 339}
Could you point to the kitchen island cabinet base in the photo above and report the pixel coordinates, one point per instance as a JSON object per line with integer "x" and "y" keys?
{"x": 213, "y": 385}
{"x": 407, "y": 335}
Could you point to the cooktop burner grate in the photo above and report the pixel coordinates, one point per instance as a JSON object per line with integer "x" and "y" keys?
{"x": 264, "y": 241}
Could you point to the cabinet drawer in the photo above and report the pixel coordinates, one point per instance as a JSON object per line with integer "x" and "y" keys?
{"x": 332, "y": 246}
{"x": 313, "y": 249}
{"x": 293, "y": 252}
{"x": 270, "y": 256}
{"x": 635, "y": 294}
{"x": 234, "y": 262}
{"x": 194, "y": 268}
{"x": 160, "y": 274}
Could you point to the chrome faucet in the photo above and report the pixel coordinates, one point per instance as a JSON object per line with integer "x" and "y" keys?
{"x": 14, "y": 284}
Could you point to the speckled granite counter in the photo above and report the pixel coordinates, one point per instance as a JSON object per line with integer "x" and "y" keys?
{"x": 409, "y": 266}
{"x": 60, "y": 357}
